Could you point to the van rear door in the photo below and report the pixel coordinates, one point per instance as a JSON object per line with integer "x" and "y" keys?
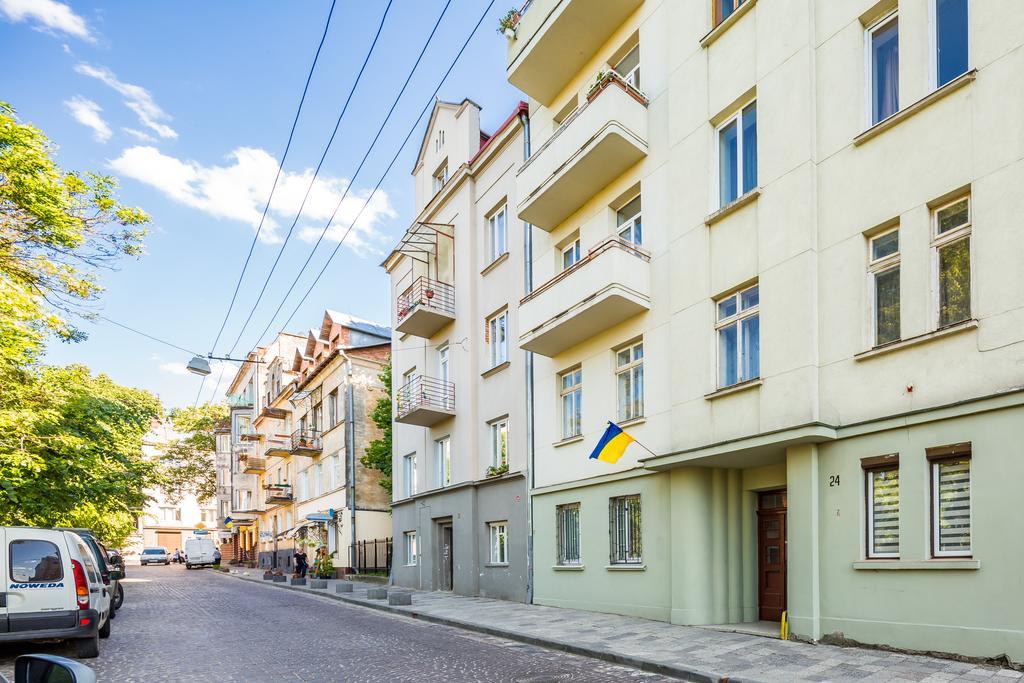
{"x": 40, "y": 585}
{"x": 3, "y": 581}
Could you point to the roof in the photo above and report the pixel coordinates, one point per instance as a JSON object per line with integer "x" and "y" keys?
{"x": 521, "y": 108}
{"x": 430, "y": 124}
{"x": 354, "y": 323}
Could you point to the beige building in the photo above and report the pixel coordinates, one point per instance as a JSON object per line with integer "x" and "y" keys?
{"x": 460, "y": 513}
{"x": 777, "y": 243}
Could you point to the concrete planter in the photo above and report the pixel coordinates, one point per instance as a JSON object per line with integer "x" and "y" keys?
{"x": 343, "y": 588}
{"x": 279, "y": 579}
{"x": 377, "y": 593}
{"x": 297, "y": 582}
{"x": 400, "y": 599}
{"x": 318, "y": 583}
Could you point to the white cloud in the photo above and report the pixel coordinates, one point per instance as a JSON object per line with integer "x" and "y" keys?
{"x": 87, "y": 113}
{"x": 238, "y": 191}
{"x": 47, "y": 15}
{"x": 137, "y": 98}
{"x": 139, "y": 135}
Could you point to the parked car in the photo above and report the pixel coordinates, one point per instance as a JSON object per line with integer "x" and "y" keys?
{"x": 154, "y": 556}
{"x": 200, "y": 552}
{"x": 116, "y": 560}
{"x": 53, "y": 589}
{"x": 102, "y": 556}
{"x": 49, "y": 669}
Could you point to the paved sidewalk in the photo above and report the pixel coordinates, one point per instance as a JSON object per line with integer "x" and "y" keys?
{"x": 686, "y": 652}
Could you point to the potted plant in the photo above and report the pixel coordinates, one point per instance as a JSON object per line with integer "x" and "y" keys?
{"x": 493, "y": 471}
{"x": 508, "y": 23}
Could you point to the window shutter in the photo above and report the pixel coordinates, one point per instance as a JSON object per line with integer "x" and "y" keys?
{"x": 885, "y": 512}
{"x": 953, "y": 514}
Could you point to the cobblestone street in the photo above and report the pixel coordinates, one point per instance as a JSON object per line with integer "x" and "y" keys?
{"x": 179, "y": 625}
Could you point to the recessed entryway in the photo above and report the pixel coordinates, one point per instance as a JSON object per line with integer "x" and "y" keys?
{"x": 771, "y": 555}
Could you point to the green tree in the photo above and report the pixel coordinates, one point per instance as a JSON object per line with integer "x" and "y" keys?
{"x": 378, "y": 451}
{"x": 186, "y": 465}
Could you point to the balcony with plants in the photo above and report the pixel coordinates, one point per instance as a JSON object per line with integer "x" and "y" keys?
{"x": 425, "y": 401}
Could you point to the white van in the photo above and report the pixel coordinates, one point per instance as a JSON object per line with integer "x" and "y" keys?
{"x": 199, "y": 553}
{"x": 51, "y": 588}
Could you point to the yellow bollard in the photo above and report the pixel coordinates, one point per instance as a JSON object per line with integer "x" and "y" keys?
{"x": 784, "y": 627}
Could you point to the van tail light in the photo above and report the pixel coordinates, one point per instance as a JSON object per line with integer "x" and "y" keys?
{"x": 81, "y": 585}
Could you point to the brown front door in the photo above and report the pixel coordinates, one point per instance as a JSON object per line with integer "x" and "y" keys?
{"x": 771, "y": 554}
{"x": 446, "y": 557}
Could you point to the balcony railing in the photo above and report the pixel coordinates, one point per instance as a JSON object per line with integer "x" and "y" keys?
{"x": 277, "y": 446}
{"x": 253, "y": 464}
{"x": 306, "y": 442}
{"x": 278, "y": 493}
{"x": 425, "y": 401}
{"x": 425, "y": 307}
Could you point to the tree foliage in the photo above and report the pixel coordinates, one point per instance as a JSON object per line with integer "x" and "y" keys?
{"x": 378, "y": 451}
{"x": 186, "y": 464}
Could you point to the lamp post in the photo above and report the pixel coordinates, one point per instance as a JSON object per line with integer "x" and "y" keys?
{"x": 200, "y": 365}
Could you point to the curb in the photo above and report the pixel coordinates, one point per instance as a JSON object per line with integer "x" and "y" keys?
{"x": 681, "y": 672}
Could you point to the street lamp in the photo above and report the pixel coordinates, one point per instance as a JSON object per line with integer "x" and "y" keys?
{"x": 201, "y": 366}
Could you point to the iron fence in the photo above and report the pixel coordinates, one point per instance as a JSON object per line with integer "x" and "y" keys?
{"x": 374, "y": 556}
{"x": 426, "y": 292}
{"x": 306, "y": 440}
{"x": 425, "y": 392}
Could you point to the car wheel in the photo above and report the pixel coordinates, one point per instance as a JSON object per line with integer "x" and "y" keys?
{"x": 88, "y": 648}
{"x": 104, "y": 631}
{"x": 119, "y": 597}
{"x": 166, "y": 563}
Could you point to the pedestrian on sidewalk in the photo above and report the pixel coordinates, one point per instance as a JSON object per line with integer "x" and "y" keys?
{"x": 177, "y": 556}
{"x": 301, "y": 564}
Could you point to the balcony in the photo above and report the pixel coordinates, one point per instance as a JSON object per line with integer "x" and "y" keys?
{"x": 223, "y": 492}
{"x": 277, "y": 446}
{"x": 609, "y": 285}
{"x": 597, "y": 143}
{"x": 556, "y": 38}
{"x": 278, "y": 494}
{"x": 307, "y": 442}
{"x": 253, "y": 464}
{"x": 425, "y": 307}
{"x": 425, "y": 401}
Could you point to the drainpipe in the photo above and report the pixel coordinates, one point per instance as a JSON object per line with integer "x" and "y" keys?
{"x": 524, "y": 118}
{"x": 350, "y": 451}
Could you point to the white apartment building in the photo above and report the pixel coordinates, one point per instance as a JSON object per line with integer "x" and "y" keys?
{"x": 776, "y": 242}
{"x": 460, "y": 517}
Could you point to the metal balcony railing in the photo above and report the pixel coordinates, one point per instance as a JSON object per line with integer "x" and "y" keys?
{"x": 425, "y": 392}
{"x": 306, "y": 440}
{"x": 278, "y": 493}
{"x": 426, "y": 292}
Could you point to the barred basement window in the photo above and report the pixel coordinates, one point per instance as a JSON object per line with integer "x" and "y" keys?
{"x": 883, "y": 506}
{"x": 567, "y": 528}
{"x": 951, "y": 500}
{"x": 499, "y": 542}
{"x": 624, "y": 530}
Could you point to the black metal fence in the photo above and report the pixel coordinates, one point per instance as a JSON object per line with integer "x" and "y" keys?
{"x": 374, "y": 556}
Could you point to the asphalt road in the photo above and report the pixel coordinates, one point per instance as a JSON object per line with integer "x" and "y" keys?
{"x": 179, "y": 625}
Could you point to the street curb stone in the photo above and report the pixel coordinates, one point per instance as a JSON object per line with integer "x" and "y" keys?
{"x": 682, "y": 672}
{"x": 318, "y": 583}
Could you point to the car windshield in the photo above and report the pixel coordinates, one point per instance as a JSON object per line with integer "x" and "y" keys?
{"x": 154, "y": 551}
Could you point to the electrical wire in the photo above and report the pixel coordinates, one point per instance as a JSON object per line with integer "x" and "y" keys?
{"x": 280, "y": 166}
{"x": 148, "y": 336}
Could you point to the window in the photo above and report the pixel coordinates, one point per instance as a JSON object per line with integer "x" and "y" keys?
{"x": 332, "y": 409}
{"x": 571, "y": 255}
{"x": 883, "y": 508}
{"x": 170, "y": 514}
{"x": 497, "y": 339}
{"x": 497, "y": 236}
{"x": 629, "y": 224}
{"x": 952, "y": 245}
{"x": 737, "y": 155}
{"x": 572, "y": 402}
{"x": 499, "y": 443}
{"x": 739, "y": 337}
{"x": 35, "y": 560}
{"x": 629, "y": 67}
{"x": 338, "y": 470}
{"x": 567, "y": 532}
{"x": 288, "y": 519}
{"x": 443, "y": 450}
{"x": 318, "y": 417}
{"x": 303, "y": 485}
{"x": 884, "y": 68}
{"x": 884, "y": 274}
{"x": 951, "y": 500}
{"x": 951, "y": 40}
{"x": 207, "y": 515}
{"x": 440, "y": 177}
{"x": 319, "y": 479}
{"x": 499, "y": 542}
{"x": 725, "y": 8}
{"x": 411, "y": 556}
{"x": 409, "y": 474}
{"x": 629, "y": 381}
{"x": 624, "y": 530}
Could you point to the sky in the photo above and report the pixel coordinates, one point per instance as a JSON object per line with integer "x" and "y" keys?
{"x": 189, "y": 104}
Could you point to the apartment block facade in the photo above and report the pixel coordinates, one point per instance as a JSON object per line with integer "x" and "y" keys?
{"x": 460, "y": 499}
{"x": 775, "y": 241}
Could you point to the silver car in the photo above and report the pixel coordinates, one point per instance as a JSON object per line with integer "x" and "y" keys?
{"x": 154, "y": 556}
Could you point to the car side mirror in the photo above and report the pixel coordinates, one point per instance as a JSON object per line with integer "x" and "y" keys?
{"x": 51, "y": 669}
{"x": 115, "y": 573}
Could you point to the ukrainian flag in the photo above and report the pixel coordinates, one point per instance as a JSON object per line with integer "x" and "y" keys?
{"x": 228, "y": 523}
{"x": 612, "y": 445}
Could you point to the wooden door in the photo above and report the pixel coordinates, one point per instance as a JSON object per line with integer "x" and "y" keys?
{"x": 446, "y": 557}
{"x": 771, "y": 555}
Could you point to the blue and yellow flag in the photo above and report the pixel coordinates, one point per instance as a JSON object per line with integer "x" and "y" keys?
{"x": 228, "y": 523}
{"x": 612, "y": 445}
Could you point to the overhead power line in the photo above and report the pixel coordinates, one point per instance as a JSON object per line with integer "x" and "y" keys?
{"x": 280, "y": 166}
{"x": 148, "y": 336}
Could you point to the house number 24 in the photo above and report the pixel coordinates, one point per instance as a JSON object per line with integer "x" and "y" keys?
{"x": 833, "y": 480}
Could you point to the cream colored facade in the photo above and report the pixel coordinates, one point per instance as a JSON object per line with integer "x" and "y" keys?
{"x": 822, "y": 401}
{"x": 460, "y": 516}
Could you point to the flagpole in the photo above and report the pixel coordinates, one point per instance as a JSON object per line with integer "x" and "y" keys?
{"x": 638, "y": 443}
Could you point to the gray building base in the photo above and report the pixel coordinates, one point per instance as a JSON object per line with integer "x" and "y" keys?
{"x": 458, "y": 516}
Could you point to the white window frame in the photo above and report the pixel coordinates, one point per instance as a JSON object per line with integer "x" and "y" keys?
{"x": 409, "y": 474}
{"x": 411, "y": 549}
{"x": 498, "y": 535}
{"x": 869, "y": 66}
{"x": 495, "y": 430}
{"x": 563, "y": 392}
{"x": 631, "y": 367}
{"x": 737, "y": 118}
{"x": 938, "y": 242}
{"x": 933, "y": 37}
{"x": 497, "y": 248}
{"x": 574, "y": 249}
{"x": 736, "y": 319}
{"x": 561, "y": 556}
{"x": 443, "y": 464}
{"x": 631, "y": 77}
{"x": 870, "y": 551}
{"x": 440, "y": 177}
{"x": 629, "y": 225}
{"x": 934, "y": 467}
{"x": 497, "y": 352}
{"x": 877, "y": 267}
